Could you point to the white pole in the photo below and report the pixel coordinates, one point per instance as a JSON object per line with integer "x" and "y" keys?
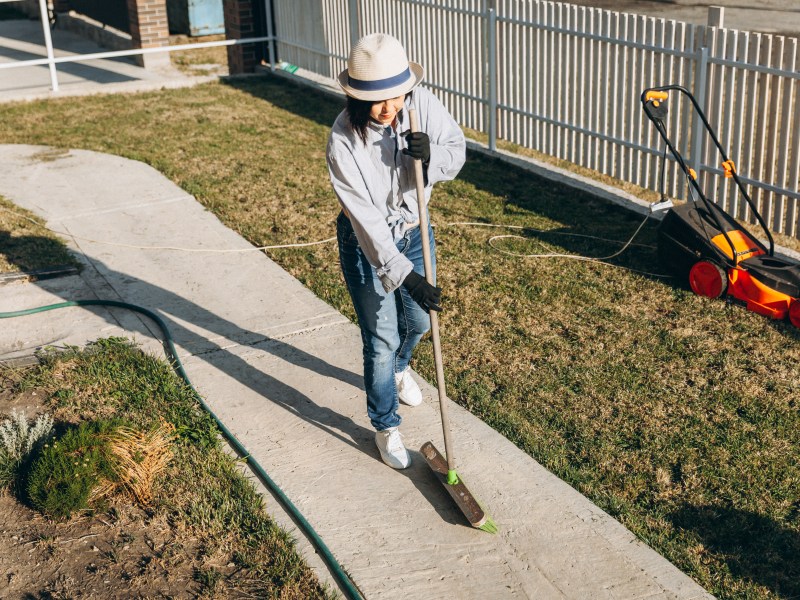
{"x": 700, "y": 88}
{"x": 271, "y": 43}
{"x": 48, "y": 42}
{"x": 352, "y": 8}
{"x": 492, "y": 72}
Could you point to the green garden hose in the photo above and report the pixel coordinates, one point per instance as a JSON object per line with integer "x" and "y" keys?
{"x": 341, "y": 577}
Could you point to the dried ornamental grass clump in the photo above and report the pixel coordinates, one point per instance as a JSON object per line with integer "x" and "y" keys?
{"x": 138, "y": 457}
{"x": 17, "y": 440}
{"x": 93, "y": 462}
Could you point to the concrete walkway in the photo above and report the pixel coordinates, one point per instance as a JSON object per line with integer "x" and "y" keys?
{"x": 283, "y": 370}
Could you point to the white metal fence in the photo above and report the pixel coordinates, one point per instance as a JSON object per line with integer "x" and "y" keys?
{"x": 565, "y": 80}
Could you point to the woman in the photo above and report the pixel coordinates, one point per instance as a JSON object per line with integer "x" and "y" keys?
{"x": 370, "y": 161}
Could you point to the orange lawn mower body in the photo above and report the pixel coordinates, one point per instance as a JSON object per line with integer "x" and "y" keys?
{"x": 704, "y": 246}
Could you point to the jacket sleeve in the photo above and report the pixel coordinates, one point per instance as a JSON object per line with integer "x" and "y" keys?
{"x": 448, "y": 147}
{"x": 373, "y": 233}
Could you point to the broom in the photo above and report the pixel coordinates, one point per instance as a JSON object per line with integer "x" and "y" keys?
{"x": 444, "y": 469}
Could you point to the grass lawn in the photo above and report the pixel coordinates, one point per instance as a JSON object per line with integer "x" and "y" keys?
{"x": 677, "y": 415}
{"x": 200, "y": 61}
{"x": 26, "y": 244}
{"x": 205, "y": 533}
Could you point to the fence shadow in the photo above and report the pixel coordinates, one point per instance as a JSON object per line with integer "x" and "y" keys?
{"x": 753, "y": 546}
{"x": 585, "y": 217}
{"x": 292, "y": 97}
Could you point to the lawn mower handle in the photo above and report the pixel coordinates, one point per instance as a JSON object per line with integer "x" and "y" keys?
{"x": 652, "y": 101}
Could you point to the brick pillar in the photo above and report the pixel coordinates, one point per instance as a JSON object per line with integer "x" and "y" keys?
{"x": 149, "y": 29}
{"x": 239, "y": 24}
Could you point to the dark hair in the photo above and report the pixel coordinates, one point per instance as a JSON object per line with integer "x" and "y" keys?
{"x": 358, "y": 114}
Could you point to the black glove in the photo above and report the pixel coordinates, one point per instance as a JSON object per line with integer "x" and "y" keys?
{"x": 423, "y": 293}
{"x": 418, "y": 145}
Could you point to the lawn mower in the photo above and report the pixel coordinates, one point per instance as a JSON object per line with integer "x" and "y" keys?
{"x": 698, "y": 241}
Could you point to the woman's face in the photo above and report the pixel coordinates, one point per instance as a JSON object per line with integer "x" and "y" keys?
{"x": 385, "y": 111}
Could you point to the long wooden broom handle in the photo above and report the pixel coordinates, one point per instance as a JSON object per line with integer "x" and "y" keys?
{"x": 426, "y": 259}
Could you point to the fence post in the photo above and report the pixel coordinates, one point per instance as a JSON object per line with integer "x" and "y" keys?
{"x": 48, "y": 42}
{"x": 491, "y": 42}
{"x": 270, "y": 33}
{"x": 353, "y": 10}
{"x": 700, "y": 95}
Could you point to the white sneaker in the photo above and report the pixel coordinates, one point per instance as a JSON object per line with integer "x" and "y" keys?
{"x": 407, "y": 389}
{"x": 393, "y": 451}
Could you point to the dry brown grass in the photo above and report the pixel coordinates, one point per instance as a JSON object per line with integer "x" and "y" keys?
{"x": 137, "y": 458}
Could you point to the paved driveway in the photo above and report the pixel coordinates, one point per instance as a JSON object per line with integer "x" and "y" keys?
{"x": 766, "y": 16}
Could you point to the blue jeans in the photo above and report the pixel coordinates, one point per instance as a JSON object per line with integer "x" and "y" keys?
{"x": 391, "y": 323}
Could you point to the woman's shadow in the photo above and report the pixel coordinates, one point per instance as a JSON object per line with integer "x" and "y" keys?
{"x": 182, "y": 315}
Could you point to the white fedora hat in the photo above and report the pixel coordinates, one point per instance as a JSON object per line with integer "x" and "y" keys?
{"x": 378, "y": 69}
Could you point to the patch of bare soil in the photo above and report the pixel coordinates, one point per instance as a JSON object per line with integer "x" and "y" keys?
{"x": 126, "y": 552}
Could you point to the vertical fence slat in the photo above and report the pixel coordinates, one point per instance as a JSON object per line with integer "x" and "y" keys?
{"x": 565, "y": 81}
{"x": 639, "y": 83}
{"x": 527, "y": 74}
{"x": 617, "y": 99}
{"x": 582, "y": 70}
{"x": 794, "y": 169}
{"x": 738, "y": 103}
{"x": 656, "y": 78}
{"x": 602, "y": 110}
{"x": 773, "y": 151}
{"x": 679, "y": 127}
{"x": 594, "y": 99}
{"x": 749, "y": 154}
{"x": 516, "y": 89}
{"x": 759, "y": 139}
{"x": 788, "y": 62}
{"x": 570, "y": 12}
{"x": 547, "y": 65}
{"x": 506, "y": 68}
{"x": 630, "y": 155}
{"x": 712, "y": 110}
{"x": 725, "y": 114}
{"x": 552, "y": 96}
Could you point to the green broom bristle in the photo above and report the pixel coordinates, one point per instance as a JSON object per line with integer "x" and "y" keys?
{"x": 489, "y": 526}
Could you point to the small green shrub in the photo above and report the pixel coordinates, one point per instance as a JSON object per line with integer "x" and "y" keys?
{"x": 17, "y": 440}
{"x": 208, "y": 578}
{"x": 68, "y": 474}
